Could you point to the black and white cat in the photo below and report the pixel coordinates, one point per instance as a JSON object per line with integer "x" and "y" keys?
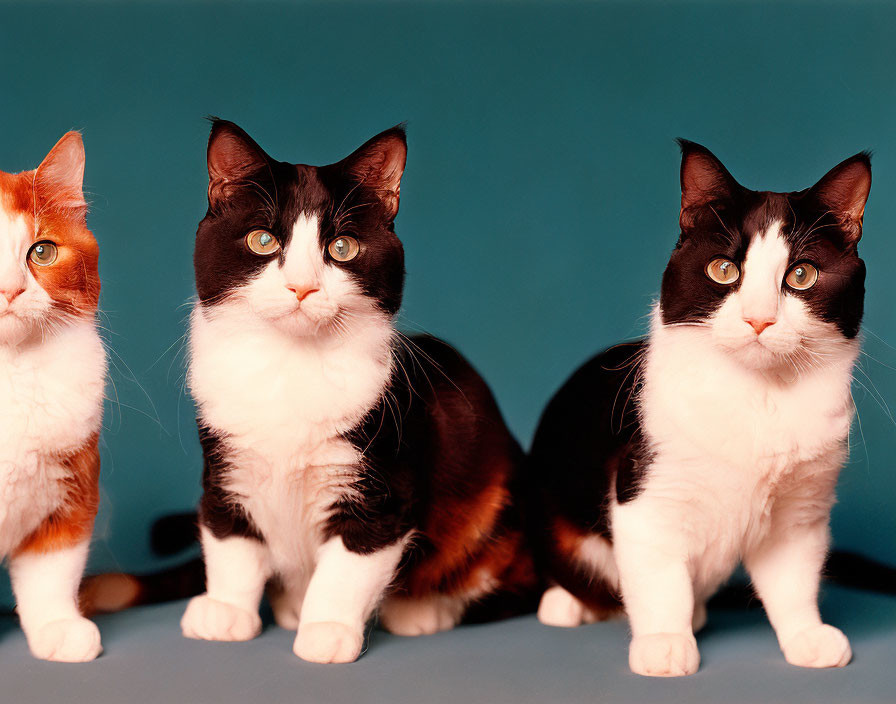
{"x": 343, "y": 462}
{"x": 663, "y": 463}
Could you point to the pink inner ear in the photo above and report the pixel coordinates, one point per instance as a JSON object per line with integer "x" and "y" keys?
{"x": 60, "y": 177}
{"x": 380, "y": 165}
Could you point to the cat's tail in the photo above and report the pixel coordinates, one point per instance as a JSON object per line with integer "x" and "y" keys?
{"x": 115, "y": 591}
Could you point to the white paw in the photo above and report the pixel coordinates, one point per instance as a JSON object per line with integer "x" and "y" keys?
{"x": 664, "y": 655}
{"x": 420, "y": 617}
{"x": 560, "y": 608}
{"x": 286, "y": 615}
{"x": 328, "y": 642}
{"x": 819, "y": 646}
{"x": 67, "y": 640}
{"x": 210, "y": 619}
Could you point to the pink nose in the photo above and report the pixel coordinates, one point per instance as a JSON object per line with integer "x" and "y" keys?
{"x": 759, "y": 325}
{"x": 12, "y": 294}
{"x": 302, "y": 293}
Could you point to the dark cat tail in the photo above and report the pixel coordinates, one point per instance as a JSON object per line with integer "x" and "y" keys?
{"x": 116, "y": 591}
{"x": 849, "y": 569}
{"x": 174, "y": 533}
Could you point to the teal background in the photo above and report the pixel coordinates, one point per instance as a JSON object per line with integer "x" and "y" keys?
{"x": 540, "y": 200}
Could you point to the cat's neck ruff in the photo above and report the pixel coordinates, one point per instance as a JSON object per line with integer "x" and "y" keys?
{"x": 696, "y": 396}
{"x": 261, "y": 387}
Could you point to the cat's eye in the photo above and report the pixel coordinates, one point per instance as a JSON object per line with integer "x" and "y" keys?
{"x": 43, "y": 253}
{"x": 344, "y": 249}
{"x": 262, "y": 242}
{"x": 802, "y": 276}
{"x": 722, "y": 271}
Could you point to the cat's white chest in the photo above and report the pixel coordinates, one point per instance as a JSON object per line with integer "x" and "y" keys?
{"x": 51, "y": 400}
{"x": 282, "y": 406}
{"x": 705, "y": 405}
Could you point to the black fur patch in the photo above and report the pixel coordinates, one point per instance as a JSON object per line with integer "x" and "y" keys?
{"x": 720, "y": 218}
{"x": 249, "y": 190}
{"x": 438, "y": 459}
{"x": 589, "y": 446}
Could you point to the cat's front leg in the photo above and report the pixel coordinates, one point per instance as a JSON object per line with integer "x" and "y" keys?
{"x": 45, "y": 582}
{"x": 786, "y": 570}
{"x": 237, "y": 568}
{"x": 657, "y": 591}
{"x": 343, "y": 592}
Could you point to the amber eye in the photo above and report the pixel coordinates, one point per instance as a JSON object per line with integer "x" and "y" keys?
{"x": 262, "y": 242}
{"x": 344, "y": 249}
{"x": 801, "y": 277}
{"x": 722, "y": 271}
{"x": 43, "y": 253}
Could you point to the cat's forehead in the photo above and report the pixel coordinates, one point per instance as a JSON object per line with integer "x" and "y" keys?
{"x": 17, "y": 194}
{"x": 757, "y": 214}
{"x": 16, "y": 208}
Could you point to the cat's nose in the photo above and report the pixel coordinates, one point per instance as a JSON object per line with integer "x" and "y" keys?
{"x": 11, "y": 294}
{"x": 759, "y": 325}
{"x": 301, "y": 293}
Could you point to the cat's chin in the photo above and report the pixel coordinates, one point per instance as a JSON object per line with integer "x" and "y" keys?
{"x": 14, "y": 330}
{"x": 756, "y": 356}
{"x": 299, "y": 324}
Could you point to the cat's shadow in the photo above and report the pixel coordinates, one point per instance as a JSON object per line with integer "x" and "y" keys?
{"x": 855, "y": 612}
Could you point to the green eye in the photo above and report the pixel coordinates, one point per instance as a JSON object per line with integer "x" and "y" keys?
{"x": 43, "y": 253}
{"x": 262, "y": 242}
{"x": 802, "y": 276}
{"x": 722, "y": 271}
{"x": 344, "y": 249}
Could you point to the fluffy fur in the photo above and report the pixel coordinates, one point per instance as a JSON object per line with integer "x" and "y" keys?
{"x": 663, "y": 463}
{"x": 52, "y": 371}
{"x": 343, "y": 461}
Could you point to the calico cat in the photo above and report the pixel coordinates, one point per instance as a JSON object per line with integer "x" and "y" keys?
{"x": 52, "y": 377}
{"x": 343, "y": 462}
{"x": 662, "y": 463}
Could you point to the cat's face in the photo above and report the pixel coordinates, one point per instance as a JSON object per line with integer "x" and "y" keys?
{"x": 48, "y": 257}
{"x": 773, "y": 278}
{"x": 306, "y": 249}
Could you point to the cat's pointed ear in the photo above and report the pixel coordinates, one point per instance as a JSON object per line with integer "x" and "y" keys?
{"x": 379, "y": 164}
{"x": 233, "y": 157}
{"x": 704, "y": 179}
{"x": 59, "y": 180}
{"x": 844, "y": 191}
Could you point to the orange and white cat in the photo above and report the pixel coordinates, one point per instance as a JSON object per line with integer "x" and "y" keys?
{"x": 52, "y": 377}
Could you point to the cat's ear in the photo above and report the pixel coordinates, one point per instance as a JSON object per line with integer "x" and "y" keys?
{"x": 59, "y": 180}
{"x": 233, "y": 157}
{"x": 379, "y": 164}
{"x": 844, "y": 191}
{"x": 704, "y": 179}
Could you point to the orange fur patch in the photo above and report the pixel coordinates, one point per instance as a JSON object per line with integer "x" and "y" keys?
{"x": 567, "y": 537}
{"x": 73, "y": 521}
{"x": 72, "y": 281}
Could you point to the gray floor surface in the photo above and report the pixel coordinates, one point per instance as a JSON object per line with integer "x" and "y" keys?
{"x": 518, "y": 661}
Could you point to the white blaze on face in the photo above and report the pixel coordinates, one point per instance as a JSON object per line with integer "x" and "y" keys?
{"x": 23, "y": 302}
{"x": 14, "y": 240}
{"x": 301, "y": 291}
{"x": 761, "y": 299}
{"x": 763, "y": 271}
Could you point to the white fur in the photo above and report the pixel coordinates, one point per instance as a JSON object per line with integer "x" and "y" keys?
{"x": 405, "y": 616}
{"x": 237, "y": 569}
{"x": 748, "y": 433}
{"x": 344, "y": 590}
{"x": 282, "y": 380}
{"x": 46, "y": 588}
{"x": 51, "y": 402}
{"x": 560, "y": 608}
{"x": 21, "y": 316}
